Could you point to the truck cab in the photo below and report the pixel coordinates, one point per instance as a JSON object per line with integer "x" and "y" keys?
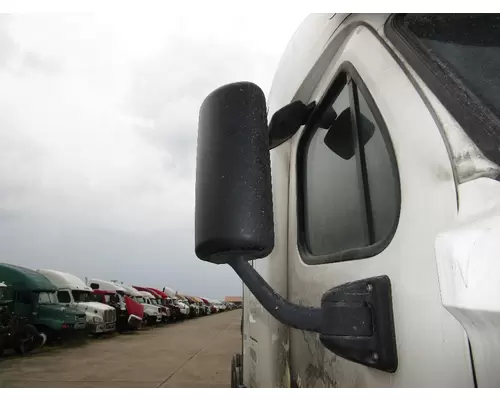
{"x": 208, "y": 306}
{"x": 151, "y": 312}
{"x": 34, "y": 298}
{"x": 166, "y": 301}
{"x": 194, "y": 309}
{"x": 129, "y": 312}
{"x": 73, "y": 293}
{"x": 360, "y": 204}
{"x": 158, "y": 299}
{"x": 150, "y": 300}
{"x": 178, "y": 302}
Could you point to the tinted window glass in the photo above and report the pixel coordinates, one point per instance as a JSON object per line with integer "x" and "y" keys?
{"x": 350, "y": 188}
{"x": 458, "y": 57}
{"x": 63, "y": 297}
{"x": 24, "y": 297}
{"x": 335, "y": 215}
{"x": 470, "y": 44}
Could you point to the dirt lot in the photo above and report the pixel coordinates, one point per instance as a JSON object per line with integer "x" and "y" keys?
{"x": 194, "y": 353}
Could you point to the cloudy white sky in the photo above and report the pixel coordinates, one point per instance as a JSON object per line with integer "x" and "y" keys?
{"x": 98, "y": 123}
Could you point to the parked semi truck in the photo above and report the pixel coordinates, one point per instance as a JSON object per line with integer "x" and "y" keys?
{"x": 72, "y": 292}
{"x": 129, "y": 312}
{"x": 360, "y": 204}
{"x": 33, "y": 297}
{"x": 152, "y": 315}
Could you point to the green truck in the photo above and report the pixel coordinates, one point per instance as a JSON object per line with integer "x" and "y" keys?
{"x": 34, "y": 298}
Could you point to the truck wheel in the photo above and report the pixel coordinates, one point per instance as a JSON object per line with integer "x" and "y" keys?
{"x": 25, "y": 340}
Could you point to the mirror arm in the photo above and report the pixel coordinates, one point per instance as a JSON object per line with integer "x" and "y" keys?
{"x": 296, "y": 316}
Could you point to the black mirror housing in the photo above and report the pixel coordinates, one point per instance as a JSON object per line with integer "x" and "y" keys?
{"x": 234, "y": 210}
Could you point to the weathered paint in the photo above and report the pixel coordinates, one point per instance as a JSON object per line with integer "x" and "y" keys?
{"x": 467, "y": 258}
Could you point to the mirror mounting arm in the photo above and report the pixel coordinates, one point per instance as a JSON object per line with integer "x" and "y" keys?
{"x": 296, "y": 316}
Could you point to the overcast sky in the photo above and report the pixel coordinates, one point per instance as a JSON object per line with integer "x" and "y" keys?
{"x": 98, "y": 124}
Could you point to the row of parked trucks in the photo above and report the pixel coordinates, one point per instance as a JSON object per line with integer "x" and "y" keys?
{"x": 37, "y": 306}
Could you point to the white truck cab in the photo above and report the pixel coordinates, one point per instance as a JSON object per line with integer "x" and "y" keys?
{"x": 131, "y": 319}
{"x": 150, "y": 301}
{"x": 151, "y": 312}
{"x": 367, "y": 237}
{"x": 73, "y": 292}
{"x": 184, "y": 308}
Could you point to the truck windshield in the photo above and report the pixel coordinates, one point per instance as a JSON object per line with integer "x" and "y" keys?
{"x": 81, "y": 296}
{"x": 47, "y": 298}
{"x": 140, "y": 299}
{"x": 462, "y": 51}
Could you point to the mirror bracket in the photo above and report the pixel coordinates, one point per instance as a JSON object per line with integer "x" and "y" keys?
{"x": 358, "y": 323}
{"x": 287, "y": 120}
{"x": 355, "y": 320}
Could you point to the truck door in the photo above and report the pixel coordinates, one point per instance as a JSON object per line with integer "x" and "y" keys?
{"x": 371, "y": 185}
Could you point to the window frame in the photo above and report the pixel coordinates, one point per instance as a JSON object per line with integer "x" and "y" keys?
{"x": 478, "y": 121}
{"x": 335, "y": 87}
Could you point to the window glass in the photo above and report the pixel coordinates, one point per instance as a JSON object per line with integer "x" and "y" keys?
{"x": 458, "y": 57}
{"x": 81, "y": 296}
{"x": 469, "y": 44}
{"x": 350, "y": 192}
{"x": 335, "y": 219}
{"x": 63, "y": 296}
{"x": 47, "y": 298}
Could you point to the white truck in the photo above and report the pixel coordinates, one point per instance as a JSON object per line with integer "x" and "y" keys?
{"x": 360, "y": 204}
{"x": 73, "y": 292}
{"x": 150, "y": 301}
{"x": 184, "y": 308}
{"x": 126, "y": 317}
{"x": 152, "y": 314}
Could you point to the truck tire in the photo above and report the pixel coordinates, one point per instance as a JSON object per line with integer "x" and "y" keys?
{"x": 25, "y": 341}
{"x": 48, "y": 336}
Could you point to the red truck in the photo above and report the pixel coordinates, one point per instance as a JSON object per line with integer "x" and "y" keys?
{"x": 129, "y": 312}
{"x": 158, "y": 300}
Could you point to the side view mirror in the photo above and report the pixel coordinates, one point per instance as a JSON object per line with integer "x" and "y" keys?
{"x": 234, "y": 225}
{"x": 339, "y": 136}
{"x": 234, "y": 210}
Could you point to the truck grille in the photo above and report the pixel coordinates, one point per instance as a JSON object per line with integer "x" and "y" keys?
{"x": 110, "y": 316}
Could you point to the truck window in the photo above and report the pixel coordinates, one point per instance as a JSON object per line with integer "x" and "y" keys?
{"x": 98, "y": 297}
{"x": 47, "y": 298}
{"x": 334, "y": 218}
{"x": 24, "y": 297}
{"x": 81, "y": 296}
{"x": 348, "y": 185}
{"x": 458, "y": 57}
{"x": 63, "y": 296}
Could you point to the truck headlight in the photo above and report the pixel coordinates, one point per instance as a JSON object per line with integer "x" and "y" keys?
{"x": 96, "y": 320}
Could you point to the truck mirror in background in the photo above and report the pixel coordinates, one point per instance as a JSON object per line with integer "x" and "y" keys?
{"x": 234, "y": 224}
{"x": 234, "y": 210}
{"x": 339, "y": 138}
